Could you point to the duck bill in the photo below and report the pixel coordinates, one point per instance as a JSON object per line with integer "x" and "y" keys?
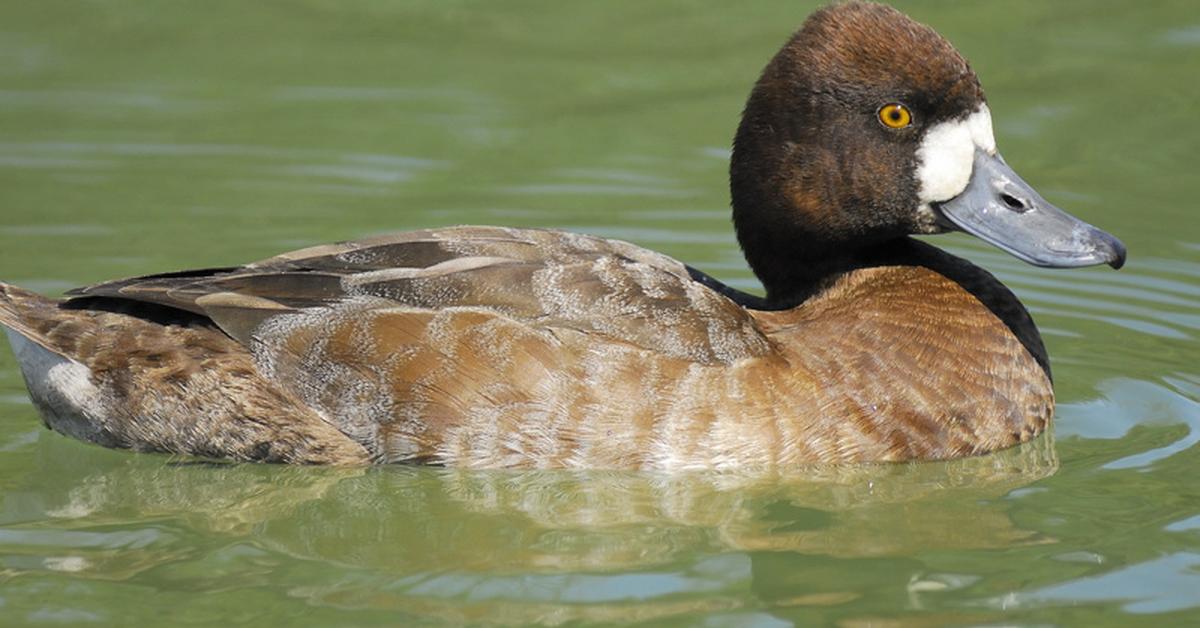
{"x": 1000, "y": 208}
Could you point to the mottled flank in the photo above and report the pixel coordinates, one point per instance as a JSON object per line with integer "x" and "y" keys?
{"x": 495, "y": 347}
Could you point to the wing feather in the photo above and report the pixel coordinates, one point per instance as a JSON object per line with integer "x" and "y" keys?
{"x": 542, "y": 279}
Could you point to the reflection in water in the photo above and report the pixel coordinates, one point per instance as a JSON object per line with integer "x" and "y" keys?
{"x": 517, "y": 547}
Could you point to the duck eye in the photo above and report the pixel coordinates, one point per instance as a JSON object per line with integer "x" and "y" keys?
{"x": 895, "y": 116}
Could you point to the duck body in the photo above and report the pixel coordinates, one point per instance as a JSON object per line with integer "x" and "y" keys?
{"x": 494, "y": 347}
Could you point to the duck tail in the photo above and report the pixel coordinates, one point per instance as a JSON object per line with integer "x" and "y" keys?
{"x": 29, "y": 314}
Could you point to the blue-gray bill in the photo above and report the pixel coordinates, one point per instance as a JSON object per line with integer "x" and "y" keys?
{"x": 1002, "y": 209}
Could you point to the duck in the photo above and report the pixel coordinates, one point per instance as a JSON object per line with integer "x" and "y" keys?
{"x": 494, "y": 347}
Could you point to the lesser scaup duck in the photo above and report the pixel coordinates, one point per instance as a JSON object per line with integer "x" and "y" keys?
{"x": 494, "y": 347}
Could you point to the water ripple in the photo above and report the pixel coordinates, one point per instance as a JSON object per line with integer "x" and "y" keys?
{"x": 81, "y": 99}
{"x": 78, "y": 539}
{"x": 1161, "y": 585}
{"x": 1127, "y": 404}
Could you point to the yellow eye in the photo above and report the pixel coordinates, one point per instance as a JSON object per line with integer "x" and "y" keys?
{"x": 895, "y": 116}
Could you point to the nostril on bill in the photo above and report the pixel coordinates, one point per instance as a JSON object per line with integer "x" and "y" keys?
{"x": 1014, "y": 203}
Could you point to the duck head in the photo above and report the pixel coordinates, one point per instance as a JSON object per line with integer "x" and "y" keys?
{"x": 867, "y": 127}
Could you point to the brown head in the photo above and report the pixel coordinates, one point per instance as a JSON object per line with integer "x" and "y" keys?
{"x": 867, "y": 127}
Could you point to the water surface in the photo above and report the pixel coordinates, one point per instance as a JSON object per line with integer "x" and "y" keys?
{"x": 140, "y": 137}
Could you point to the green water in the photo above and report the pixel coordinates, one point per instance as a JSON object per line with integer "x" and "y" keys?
{"x": 149, "y": 136}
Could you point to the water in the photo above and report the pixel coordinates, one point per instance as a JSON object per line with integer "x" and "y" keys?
{"x": 138, "y": 138}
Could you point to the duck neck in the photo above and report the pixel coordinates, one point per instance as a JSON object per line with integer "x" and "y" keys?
{"x": 792, "y": 253}
{"x": 790, "y": 266}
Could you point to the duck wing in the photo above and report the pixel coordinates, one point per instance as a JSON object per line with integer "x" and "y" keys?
{"x": 541, "y": 279}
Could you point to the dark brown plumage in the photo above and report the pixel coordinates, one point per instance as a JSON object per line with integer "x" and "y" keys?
{"x": 494, "y": 347}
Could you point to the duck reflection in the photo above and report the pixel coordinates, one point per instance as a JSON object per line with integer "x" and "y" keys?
{"x": 541, "y": 546}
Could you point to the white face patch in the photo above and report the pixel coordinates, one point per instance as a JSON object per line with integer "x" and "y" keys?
{"x": 947, "y": 153}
